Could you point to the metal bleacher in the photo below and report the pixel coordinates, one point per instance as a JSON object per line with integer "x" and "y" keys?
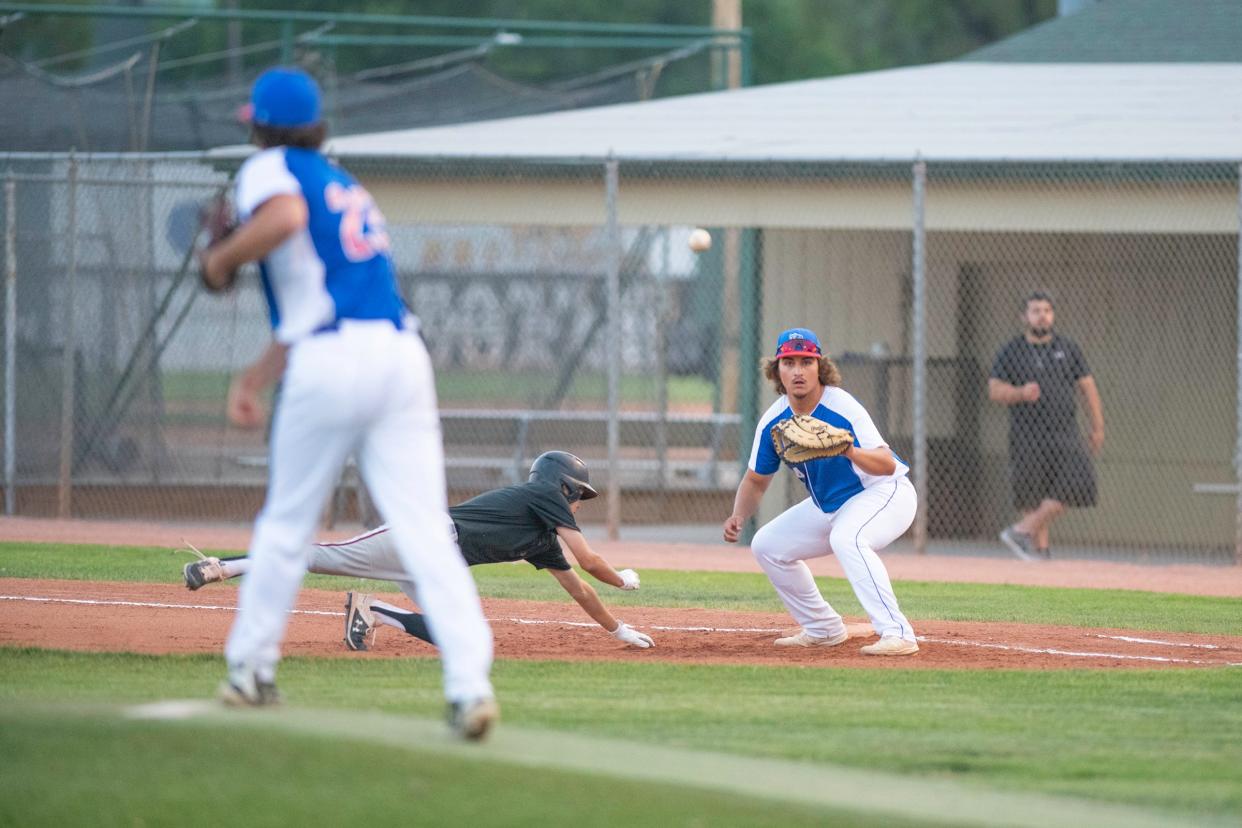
{"x": 494, "y": 447}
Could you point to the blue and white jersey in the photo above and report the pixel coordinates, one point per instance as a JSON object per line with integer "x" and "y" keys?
{"x": 832, "y": 480}
{"x": 337, "y": 267}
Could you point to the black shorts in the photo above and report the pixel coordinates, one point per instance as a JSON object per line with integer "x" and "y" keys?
{"x": 1057, "y": 469}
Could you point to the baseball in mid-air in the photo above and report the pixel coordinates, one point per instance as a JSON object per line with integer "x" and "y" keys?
{"x": 700, "y": 240}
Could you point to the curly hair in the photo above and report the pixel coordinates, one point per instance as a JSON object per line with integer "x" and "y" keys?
{"x": 829, "y": 373}
{"x": 304, "y": 137}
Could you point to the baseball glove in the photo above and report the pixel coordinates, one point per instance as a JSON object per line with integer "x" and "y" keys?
{"x": 217, "y": 221}
{"x": 804, "y": 438}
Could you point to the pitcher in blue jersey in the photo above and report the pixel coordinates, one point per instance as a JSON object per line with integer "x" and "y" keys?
{"x": 356, "y": 379}
{"x": 859, "y": 502}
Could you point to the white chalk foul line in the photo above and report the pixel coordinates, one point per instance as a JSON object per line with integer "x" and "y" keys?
{"x": 532, "y": 621}
{"x": 147, "y": 604}
{"x": 1158, "y": 641}
{"x": 1073, "y": 653}
{"x": 537, "y": 621}
{"x": 657, "y": 627}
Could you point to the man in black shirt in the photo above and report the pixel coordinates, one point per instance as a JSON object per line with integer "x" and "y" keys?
{"x": 516, "y": 523}
{"x": 1038, "y": 376}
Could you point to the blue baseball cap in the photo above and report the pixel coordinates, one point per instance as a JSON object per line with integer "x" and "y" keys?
{"x": 285, "y": 96}
{"x": 798, "y": 342}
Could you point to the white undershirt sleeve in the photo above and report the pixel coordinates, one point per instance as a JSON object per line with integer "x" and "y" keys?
{"x": 263, "y": 176}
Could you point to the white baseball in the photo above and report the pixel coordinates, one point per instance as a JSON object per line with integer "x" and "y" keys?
{"x": 700, "y": 240}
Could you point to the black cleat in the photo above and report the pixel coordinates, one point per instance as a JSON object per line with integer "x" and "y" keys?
{"x": 359, "y": 620}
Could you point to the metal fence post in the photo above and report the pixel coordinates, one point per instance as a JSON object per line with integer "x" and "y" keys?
{"x": 10, "y": 345}
{"x": 662, "y": 322}
{"x": 64, "y": 489}
{"x": 612, "y": 234}
{"x": 1237, "y": 450}
{"x": 918, "y": 270}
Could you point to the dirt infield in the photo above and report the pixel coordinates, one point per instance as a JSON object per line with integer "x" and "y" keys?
{"x": 160, "y": 618}
{"x": 1189, "y": 579}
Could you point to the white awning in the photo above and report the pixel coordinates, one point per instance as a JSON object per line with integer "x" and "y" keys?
{"x": 949, "y": 111}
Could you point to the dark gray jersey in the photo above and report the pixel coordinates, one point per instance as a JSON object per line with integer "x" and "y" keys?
{"x": 1056, "y": 366}
{"x": 515, "y": 523}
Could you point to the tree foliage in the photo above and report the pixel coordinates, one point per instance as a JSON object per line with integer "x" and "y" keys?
{"x": 792, "y": 39}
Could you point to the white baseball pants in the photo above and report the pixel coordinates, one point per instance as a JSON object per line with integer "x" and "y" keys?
{"x": 870, "y": 520}
{"x": 365, "y": 389}
{"x": 371, "y": 555}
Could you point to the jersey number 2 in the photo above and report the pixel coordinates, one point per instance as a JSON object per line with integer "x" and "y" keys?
{"x": 363, "y": 232}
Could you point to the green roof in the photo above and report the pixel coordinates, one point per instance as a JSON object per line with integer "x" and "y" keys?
{"x": 1129, "y": 31}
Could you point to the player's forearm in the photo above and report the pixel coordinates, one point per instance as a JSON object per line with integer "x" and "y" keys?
{"x": 746, "y": 502}
{"x": 1003, "y": 393}
{"x": 878, "y": 461}
{"x": 1095, "y": 409}
{"x": 605, "y": 574}
{"x": 267, "y": 368}
{"x": 588, "y": 599}
{"x": 278, "y": 219}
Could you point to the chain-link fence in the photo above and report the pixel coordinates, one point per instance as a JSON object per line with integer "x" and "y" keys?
{"x": 564, "y": 309}
{"x": 1139, "y": 267}
{"x": 125, "y": 79}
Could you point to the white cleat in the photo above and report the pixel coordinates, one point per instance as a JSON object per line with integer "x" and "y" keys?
{"x": 891, "y": 645}
{"x": 206, "y": 570}
{"x": 801, "y": 639}
{"x": 473, "y": 718}
{"x": 243, "y": 689}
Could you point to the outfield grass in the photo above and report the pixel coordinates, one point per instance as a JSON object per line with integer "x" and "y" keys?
{"x": 1126, "y": 609}
{"x": 1162, "y": 739}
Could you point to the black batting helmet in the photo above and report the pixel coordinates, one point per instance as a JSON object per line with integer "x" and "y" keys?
{"x": 565, "y": 470}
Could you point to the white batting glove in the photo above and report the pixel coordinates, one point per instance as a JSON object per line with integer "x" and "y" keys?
{"x": 629, "y": 579}
{"x": 624, "y": 632}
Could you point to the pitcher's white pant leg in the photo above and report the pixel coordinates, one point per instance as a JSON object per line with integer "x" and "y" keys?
{"x": 402, "y": 461}
{"x": 780, "y": 547}
{"x": 869, "y": 521}
{"x": 306, "y": 457}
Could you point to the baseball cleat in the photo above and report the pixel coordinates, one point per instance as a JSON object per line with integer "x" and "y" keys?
{"x": 243, "y": 689}
{"x": 891, "y": 645}
{"x": 204, "y": 571}
{"x": 801, "y": 639}
{"x": 473, "y": 718}
{"x": 1019, "y": 543}
{"x": 359, "y": 620}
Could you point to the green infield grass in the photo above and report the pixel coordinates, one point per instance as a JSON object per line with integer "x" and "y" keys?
{"x": 76, "y": 770}
{"x": 1125, "y": 609}
{"x": 1163, "y": 740}
{"x": 1162, "y": 743}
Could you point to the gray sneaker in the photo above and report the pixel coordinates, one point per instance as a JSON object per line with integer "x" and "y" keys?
{"x": 1020, "y": 544}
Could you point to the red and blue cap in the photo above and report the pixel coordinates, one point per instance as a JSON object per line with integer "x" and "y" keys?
{"x": 285, "y": 96}
{"x": 797, "y": 342}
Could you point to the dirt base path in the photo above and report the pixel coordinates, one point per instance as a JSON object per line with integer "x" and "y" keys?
{"x": 159, "y": 618}
{"x": 1189, "y": 579}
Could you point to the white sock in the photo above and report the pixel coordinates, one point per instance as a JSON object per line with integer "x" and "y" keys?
{"x": 385, "y": 618}
{"x": 234, "y": 567}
